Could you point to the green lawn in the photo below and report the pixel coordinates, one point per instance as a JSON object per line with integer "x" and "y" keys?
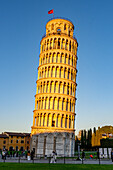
{"x": 27, "y": 166}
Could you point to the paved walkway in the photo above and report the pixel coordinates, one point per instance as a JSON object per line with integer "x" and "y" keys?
{"x": 67, "y": 161}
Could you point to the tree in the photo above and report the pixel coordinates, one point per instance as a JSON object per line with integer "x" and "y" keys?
{"x": 94, "y": 130}
{"x": 89, "y": 137}
{"x": 82, "y": 139}
{"x": 85, "y": 139}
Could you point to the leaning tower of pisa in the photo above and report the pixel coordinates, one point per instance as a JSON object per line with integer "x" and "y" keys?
{"x": 54, "y": 113}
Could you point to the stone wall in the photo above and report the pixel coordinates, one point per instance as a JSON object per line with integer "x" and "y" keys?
{"x": 44, "y": 143}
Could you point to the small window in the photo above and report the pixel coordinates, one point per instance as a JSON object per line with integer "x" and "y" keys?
{"x": 22, "y": 137}
{"x": 58, "y": 31}
{"x": 52, "y": 27}
{"x": 27, "y": 142}
{"x": 11, "y": 136}
{"x": 11, "y": 141}
{"x": 16, "y": 141}
{"x": 22, "y": 141}
{"x": 4, "y": 142}
{"x": 65, "y": 27}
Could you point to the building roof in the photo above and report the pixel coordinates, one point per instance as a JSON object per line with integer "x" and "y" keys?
{"x": 27, "y": 134}
{"x": 3, "y": 136}
{"x": 17, "y": 134}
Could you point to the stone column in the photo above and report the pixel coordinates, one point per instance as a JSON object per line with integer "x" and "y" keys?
{"x": 59, "y": 121}
{"x": 36, "y": 146}
{"x": 33, "y": 120}
{"x": 60, "y": 43}
{"x": 68, "y": 122}
{"x": 45, "y": 120}
{"x": 54, "y": 144}
{"x": 71, "y": 145}
{"x": 44, "y": 147}
{"x": 52, "y": 43}
{"x": 37, "y": 121}
{"x": 64, "y": 145}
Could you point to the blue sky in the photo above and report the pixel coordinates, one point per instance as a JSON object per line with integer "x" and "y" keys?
{"x": 22, "y": 25}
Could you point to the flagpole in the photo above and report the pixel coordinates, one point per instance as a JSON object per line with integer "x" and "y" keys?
{"x": 53, "y": 14}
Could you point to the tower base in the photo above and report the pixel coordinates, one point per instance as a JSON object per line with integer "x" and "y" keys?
{"x": 62, "y": 143}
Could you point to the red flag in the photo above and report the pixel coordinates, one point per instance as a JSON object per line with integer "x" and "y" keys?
{"x": 50, "y": 12}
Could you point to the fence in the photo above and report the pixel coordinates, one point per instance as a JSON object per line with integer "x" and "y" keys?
{"x": 60, "y": 159}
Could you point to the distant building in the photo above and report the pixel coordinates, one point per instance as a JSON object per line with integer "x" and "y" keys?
{"x": 78, "y": 137}
{"x": 105, "y": 132}
{"x": 15, "y": 141}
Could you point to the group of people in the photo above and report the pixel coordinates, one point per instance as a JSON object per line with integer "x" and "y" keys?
{"x": 27, "y": 154}
{"x": 98, "y": 155}
{"x": 30, "y": 155}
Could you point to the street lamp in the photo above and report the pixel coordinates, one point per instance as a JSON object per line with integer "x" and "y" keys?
{"x": 78, "y": 158}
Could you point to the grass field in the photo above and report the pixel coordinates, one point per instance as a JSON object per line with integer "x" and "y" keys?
{"x": 28, "y": 166}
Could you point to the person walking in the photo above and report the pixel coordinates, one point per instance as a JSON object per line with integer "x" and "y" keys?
{"x": 83, "y": 154}
{"x": 3, "y": 154}
{"x": 98, "y": 154}
{"x": 112, "y": 155}
{"x": 32, "y": 155}
{"x": 28, "y": 156}
{"x": 53, "y": 158}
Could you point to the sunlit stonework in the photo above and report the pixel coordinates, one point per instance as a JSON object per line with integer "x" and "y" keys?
{"x": 54, "y": 113}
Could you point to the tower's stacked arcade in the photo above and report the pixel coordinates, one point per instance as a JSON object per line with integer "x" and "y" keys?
{"x": 54, "y": 113}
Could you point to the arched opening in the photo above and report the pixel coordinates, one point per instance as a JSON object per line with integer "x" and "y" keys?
{"x": 44, "y": 119}
{"x": 58, "y": 121}
{"x": 49, "y": 72}
{"x": 43, "y": 103}
{"x": 52, "y": 26}
{"x": 10, "y": 148}
{"x": 41, "y": 119}
{"x": 55, "y": 103}
{"x": 63, "y": 104}
{"x": 67, "y": 105}
{"x": 70, "y": 46}
{"x": 37, "y": 105}
{"x": 68, "y": 89}
{"x": 66, "y": 44}
{"x": 48, "y": 120}
{"x": 58, "y": 57}
{"x": 66, "y": 120}
{"x": 64, "y": 26}
{"x": 21, "y": 148}
{"x": 62, "y": 122}
{"x": 47, "y": 89}
{"x": 58, "y": 31}
{"x": 53, "y": 120}
{"x": 64, "y": 92}
{"x": 16, "y": 148}
{"x": 59, "y": 43}
{"x": 50, "y": 103}
{"x": 70, "y": 105}
{"x": 55, "y": 43}
{"x": 69, "y": 121}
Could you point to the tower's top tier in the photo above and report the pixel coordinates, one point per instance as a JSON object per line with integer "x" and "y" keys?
{"x": 59, "y": 26}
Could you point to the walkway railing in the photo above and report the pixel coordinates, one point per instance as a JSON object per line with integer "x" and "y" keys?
{"x": 59, "y": 159}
